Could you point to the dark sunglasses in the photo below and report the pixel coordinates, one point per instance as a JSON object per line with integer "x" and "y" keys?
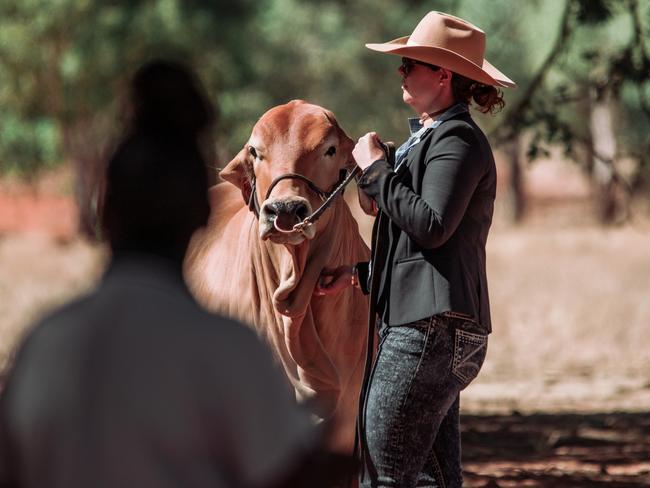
{"x": 408, "y": 64}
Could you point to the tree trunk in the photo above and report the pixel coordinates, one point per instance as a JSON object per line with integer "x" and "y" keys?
{"x": 516, "y": 196}
{"x": 612, "y": 195}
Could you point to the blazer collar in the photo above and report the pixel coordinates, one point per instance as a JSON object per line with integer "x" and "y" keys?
{"x": 454, "y": 111}
{"x": 415, "y": 125}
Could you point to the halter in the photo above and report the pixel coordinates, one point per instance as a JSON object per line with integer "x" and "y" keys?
{"x": 326, "y": 197}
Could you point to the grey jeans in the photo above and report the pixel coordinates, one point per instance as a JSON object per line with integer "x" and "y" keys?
{"x": 412, "y": 433}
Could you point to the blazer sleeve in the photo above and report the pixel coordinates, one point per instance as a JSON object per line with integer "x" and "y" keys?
{"x": 454, "y": 167}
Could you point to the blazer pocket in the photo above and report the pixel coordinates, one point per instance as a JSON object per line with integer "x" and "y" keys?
{"x": 412, "y": 293}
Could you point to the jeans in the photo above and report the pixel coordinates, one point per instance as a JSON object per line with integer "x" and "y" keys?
{"x": 412, "y": 433}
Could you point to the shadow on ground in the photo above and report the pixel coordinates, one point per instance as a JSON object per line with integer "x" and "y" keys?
{"x": 556, "y": 450}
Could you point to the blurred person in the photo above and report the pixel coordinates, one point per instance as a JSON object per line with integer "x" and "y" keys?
{"x": 427, "y": 278}
{"x": 135, "y": 384}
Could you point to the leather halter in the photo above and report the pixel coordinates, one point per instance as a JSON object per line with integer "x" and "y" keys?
{"x": 326, "y": 197}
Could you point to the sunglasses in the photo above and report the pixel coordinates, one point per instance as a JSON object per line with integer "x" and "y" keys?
{"x": 408, "y": 64}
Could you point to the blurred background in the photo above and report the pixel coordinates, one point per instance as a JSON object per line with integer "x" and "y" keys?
{"x": 569, "y": 253}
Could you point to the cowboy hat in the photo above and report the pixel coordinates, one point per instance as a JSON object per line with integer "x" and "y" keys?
{"x": 448, "y": 42}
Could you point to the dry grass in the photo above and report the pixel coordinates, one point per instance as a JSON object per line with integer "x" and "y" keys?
{"x": 570, "y": 306}
{"x": 571, "y": 315}
{"x": 37, "y": 273}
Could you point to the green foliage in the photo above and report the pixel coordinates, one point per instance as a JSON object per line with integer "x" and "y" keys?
{"x": 27, "y": 144}
{"x": 64, "y": 64}
{"x": 593, "y": 11}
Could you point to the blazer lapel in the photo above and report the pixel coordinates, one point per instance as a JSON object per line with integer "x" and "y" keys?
{"x": 413, "y": 156}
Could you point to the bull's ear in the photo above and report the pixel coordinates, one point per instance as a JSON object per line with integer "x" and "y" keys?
{"x": 346, "y": 145}
{"x": 239, "y": 172}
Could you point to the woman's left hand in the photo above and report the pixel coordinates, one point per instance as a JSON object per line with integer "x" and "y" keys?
{"x": 368, "y": 150}
{"x": 333, "y": 280}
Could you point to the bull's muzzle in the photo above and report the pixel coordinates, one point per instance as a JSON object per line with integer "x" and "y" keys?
{"x": 278, "y": 216}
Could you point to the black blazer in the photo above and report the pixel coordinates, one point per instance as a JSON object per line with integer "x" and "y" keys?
{"x": 429, "y": 237}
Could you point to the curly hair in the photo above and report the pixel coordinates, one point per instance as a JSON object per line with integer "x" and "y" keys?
{"x": 487, "y": 98}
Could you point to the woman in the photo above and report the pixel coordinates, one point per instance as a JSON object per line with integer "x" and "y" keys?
{"x": 427, "y": 280}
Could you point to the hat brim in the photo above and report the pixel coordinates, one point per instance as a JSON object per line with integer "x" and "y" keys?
{"x": 445, "y": 58}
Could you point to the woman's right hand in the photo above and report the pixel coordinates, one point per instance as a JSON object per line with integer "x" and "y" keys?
{"x": 333, "y": 280}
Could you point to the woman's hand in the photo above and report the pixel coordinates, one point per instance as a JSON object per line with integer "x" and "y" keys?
{"x": 368, "y": 150}
{"x": 333, "y": 280}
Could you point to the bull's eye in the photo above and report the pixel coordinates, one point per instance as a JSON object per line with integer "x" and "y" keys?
{"x": 252, "y": 151}
{"x": 331, "y": 151}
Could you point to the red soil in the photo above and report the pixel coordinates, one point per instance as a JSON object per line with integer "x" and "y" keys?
{"x": 43, "y": 213}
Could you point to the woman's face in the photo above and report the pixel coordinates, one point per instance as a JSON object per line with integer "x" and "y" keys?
{"x": 421, "y": 87}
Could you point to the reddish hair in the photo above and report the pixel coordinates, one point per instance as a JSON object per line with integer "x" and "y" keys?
{"x": 487, "y": 98}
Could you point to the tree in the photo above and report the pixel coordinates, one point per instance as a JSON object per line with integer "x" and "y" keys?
{"x": 65, "y": 62}
{"x": 62, "y": 62}
{"x": 576, "y": 97}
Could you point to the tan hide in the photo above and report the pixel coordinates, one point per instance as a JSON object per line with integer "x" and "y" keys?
{"x": 320, "y": 341}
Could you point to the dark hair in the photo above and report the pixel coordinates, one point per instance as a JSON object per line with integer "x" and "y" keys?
{"x": 487, "y": 98}
{"x": 156, "y": 179}
{"x": 167, "y": 97}
{"x": 156, "y": 195}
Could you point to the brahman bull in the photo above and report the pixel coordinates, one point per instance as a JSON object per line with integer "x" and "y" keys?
{"x": 249, "y": 263}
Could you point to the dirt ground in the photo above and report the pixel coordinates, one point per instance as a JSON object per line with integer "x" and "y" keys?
{"x": 557, "y": 450}
{"x": 563, "y": 399}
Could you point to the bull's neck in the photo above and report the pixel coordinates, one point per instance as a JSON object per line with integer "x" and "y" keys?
{"x": 293, "y": 271}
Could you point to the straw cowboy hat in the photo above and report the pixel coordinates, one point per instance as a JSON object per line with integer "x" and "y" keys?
{"x": 448, "y": 42}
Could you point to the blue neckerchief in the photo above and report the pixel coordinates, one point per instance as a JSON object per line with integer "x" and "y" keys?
{"x": 418, "y": 131}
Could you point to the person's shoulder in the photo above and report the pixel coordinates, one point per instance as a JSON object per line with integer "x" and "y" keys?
{"x": 240, "y": 335}
{"x": 457, "y": 135}
{"x": 62, "y": 319}
{"x": 211, "y": 328}
{"x": 462, "y": 126}
{"x": 52, "y": 335}
{"x": 221, "y": 351}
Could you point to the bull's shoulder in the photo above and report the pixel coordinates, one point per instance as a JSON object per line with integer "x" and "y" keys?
{"x": 216, "y": 263}
{"x": 225, "y": 202}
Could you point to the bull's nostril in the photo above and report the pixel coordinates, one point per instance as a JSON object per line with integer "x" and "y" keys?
{"x": 301, "y": 211}
{"x": 270, "y": 210}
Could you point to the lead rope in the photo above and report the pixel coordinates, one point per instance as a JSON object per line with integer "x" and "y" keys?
{"x": 360, "y": 443}
{"x": 309, "y": 220}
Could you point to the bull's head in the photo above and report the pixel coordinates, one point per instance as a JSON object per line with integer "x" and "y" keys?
{"x": 297, "y": 138}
